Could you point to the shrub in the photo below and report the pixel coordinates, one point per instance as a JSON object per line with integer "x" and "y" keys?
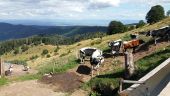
{"x": 24, "y": 48}
{"x": 16, "y": 51}
{"x": 57, "y": 49}
{"x": 34, "y": 57}
{"x": 48, "y": 56}
{"x": 45, "y": 51}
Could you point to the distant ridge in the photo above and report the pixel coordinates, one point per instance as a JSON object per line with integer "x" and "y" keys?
{"x": 11, "y": 31}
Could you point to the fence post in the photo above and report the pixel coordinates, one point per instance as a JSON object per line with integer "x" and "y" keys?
{"x": 129, "y": 64}
{"x": 1, "y": 68}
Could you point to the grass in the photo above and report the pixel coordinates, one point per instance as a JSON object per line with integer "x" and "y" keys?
{"x": 56, "y": 67}
{"x": 150, "y": 62}
{"x": 26, "y": 77}
{"x": 3, "y": 81}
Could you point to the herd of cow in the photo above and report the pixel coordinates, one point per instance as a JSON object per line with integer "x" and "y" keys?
{"x": 120, "y": 46}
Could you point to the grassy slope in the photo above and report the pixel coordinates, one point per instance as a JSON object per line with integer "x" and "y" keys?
{"x": 71, "y": 51}
{"x": 73, "y": 48}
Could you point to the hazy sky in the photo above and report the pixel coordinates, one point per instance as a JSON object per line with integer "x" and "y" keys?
{"x": 78, "y": 9}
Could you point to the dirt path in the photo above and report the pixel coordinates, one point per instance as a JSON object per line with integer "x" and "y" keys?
{"x": 28, "y": 88}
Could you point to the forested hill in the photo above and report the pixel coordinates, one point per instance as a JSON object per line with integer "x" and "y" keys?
{"x": 10, "y": 31}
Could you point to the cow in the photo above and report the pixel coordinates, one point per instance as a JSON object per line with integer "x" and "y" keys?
{"x": 96, "y": 60}
{"x": 117, "y": 45}
{"x": 160, "y": 33}
{"x": 9, "y": 71}
{"x": 86, "y": 52}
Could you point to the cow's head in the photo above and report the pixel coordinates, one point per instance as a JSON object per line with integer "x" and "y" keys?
{"x": 141, "y": 41}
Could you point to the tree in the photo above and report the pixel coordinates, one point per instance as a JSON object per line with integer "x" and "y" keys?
{"x": 155, "y": 14}
{"x": 140, "y": 24}
{"x": 116, "y": 27}
{"x": 168, "y": 13}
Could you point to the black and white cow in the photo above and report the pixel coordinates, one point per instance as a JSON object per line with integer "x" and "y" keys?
{"x": 163, "y": 32}
{"x": 86, "y": 52}
{"x": 115, "y": 46}
{"x": 96, "y": 60}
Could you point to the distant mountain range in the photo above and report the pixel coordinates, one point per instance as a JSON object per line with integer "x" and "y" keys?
{"x": 65, "y": 22}
{"x": 11, "y": 31}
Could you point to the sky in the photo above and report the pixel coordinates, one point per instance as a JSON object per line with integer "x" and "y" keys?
{"x": 87, "y": 12}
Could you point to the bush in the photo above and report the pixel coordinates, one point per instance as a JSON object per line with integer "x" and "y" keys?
{"x": 45, "y": 51}
{"x": 34, "y": 57}
{"x": 24, "y": 48}
{"x": 57, "y": 49}
{"x": 48, "y": 56}
{"x": 16, "y": 51}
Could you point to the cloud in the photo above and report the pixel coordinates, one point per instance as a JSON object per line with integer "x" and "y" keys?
{"x": 103, "y": 3}
{"x": 71, "y": 9}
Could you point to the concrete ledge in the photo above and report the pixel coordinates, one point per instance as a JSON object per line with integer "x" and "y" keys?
{"x": 152, "y": 81}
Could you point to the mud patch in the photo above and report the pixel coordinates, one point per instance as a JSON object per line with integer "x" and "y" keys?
{"x": 83, "y": 69}
{"x": 65, "y": 82}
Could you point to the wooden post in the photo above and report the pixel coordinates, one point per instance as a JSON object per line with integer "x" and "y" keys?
{"x": 129, "y": 64}
{"x": 2, "y": 73}
{"x": 120, "y": 85}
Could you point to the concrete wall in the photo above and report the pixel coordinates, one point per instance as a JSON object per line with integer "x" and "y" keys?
{"x": 155, "y": 81}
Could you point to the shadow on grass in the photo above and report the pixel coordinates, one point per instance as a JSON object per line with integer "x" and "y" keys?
{"x": 113, "y": 75}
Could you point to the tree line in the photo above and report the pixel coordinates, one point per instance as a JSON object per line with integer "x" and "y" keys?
{"x": 53, "y": 39}
{"x": 155, "y": 14}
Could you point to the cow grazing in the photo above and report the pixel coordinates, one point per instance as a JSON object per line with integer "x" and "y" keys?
{"x": 157, "y": 34}
{"x": 86, "y": 52}
{"x": 96, "y": 60}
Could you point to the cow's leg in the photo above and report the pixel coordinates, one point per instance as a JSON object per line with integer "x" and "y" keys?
{"x": 155, "y": 41}
{"x": 92, "y": 68}
{"x": 97, "y": 71}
